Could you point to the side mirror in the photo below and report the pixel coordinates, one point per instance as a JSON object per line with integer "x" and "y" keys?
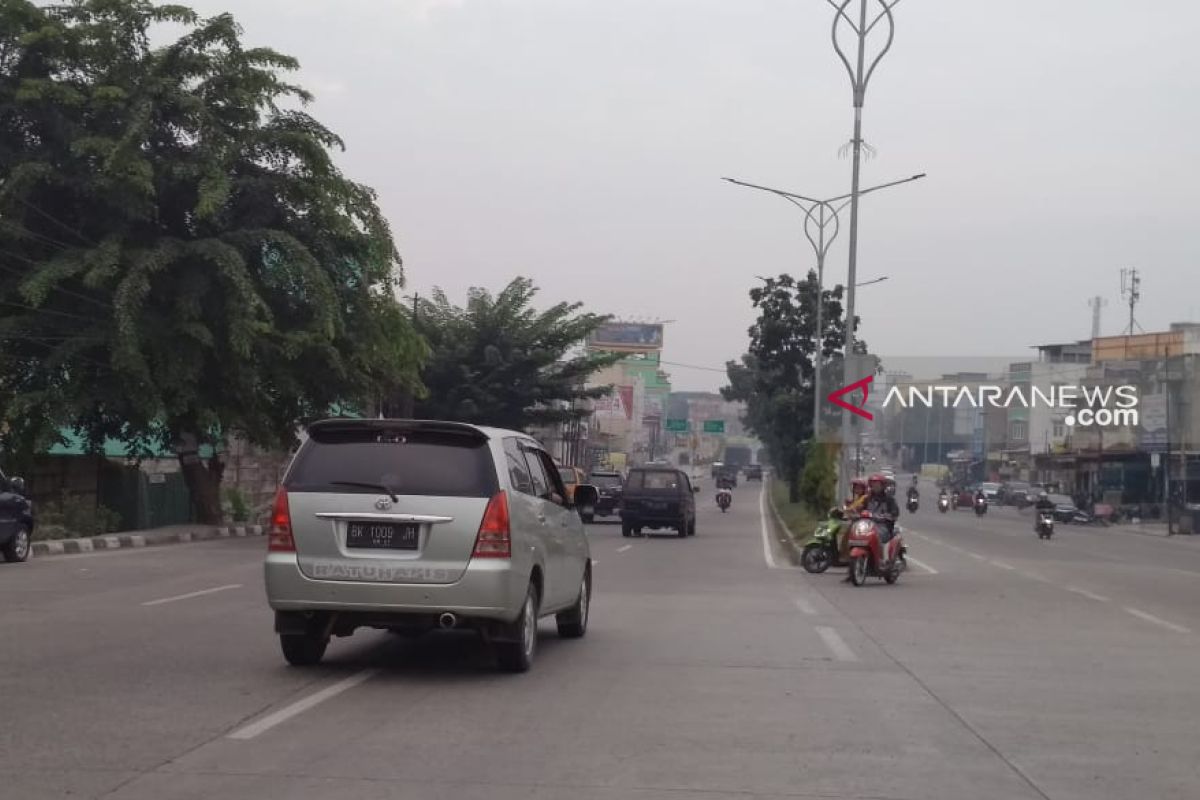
{"x": 586, "y": 495}
{"x": 17, "y": 485}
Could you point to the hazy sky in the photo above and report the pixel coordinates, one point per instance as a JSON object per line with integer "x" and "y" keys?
{"x": 581, "y": 143}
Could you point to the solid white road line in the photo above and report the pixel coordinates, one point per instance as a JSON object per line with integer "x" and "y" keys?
{"x": 804, "y": 606}
{"x": 922, "y": 565}
{"x": 1157, "y": 620}
{"x": 1099, "y": 598}
{"x": 300, "y": 706}
{"x": 766, "y": 534}
{"x": 836, "y": 645}
{"x": 190, "y": 595}
{"x": 623, "y": 548}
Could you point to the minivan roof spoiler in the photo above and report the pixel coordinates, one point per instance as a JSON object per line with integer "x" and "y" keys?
{"x": 347, "y": 424}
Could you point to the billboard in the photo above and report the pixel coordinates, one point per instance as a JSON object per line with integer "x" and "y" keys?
{"x": 618, "y": 405}
{"x": 627, "y": 336}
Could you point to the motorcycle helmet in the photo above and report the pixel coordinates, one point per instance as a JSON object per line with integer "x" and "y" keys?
{"x": 878, "y": 478}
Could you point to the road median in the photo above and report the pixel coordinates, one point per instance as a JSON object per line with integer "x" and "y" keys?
{"x": 175, "y": 534}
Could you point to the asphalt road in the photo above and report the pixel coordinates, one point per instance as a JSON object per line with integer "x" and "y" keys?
{"x": 1000, "y": 666}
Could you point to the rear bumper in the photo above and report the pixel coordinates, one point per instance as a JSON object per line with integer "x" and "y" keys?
{"x": 642, "y": 520}
{"x": 489, "y": 589}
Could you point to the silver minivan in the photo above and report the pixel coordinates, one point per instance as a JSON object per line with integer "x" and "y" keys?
{"x": 412, "y": 526}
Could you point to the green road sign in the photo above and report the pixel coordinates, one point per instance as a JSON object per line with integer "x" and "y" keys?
{"x": 714, "y": 426}
{"x": 677, "y": 425}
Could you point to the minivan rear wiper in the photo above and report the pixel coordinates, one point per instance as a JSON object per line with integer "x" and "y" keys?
{"x": 359, "y": 484}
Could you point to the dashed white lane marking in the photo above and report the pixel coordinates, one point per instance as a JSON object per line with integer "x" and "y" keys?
{"x": 1157, "y": 620}
{"x": 836, "y": 645}
{"x": 1002, "y": 564}
{"x": 1099, "y": 598}
{"x": 977, "y": 557}
{"x": 768, "y": 556}
{"x": 623, "y": 548}
{"x": 922, "y": 565}
{"x": 190, "y": 595}
{"x": 804, "y": 606}
{"x": 302, "y": 705}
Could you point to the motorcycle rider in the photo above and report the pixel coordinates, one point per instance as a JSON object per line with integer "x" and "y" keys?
{"x": 881, "y": 504}
{"x": 724, "y": 496}
{"x": 851, "y": 509}
{"x": 1043, "y": 504}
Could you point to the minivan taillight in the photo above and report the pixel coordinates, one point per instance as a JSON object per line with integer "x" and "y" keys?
{"x": 495, "y": 534}
{"x": 279, "y": 535}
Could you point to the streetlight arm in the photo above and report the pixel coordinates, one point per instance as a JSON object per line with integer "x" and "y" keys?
{"x": 772, "y": 191}
{"x": 861, "y": 192}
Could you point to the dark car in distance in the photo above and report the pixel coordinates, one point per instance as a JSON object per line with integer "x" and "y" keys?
{"x": 609, "y": 485}
{"x": 16, "y": 520}
{"x": 754, "y": 472}
{"x": 658, "y": 498}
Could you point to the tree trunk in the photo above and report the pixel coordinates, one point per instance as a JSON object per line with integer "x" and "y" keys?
{"x": 203, "y": 481}
{"x": 794, "y": 487}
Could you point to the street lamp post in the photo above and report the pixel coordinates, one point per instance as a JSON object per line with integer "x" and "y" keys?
{"x": 827, "y": 213}
{"x": 860, "y": 76}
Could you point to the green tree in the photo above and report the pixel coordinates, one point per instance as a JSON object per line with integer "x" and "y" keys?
{"x": 775, "y": 379}
{"x": 499, "y": 361}
{"x": 818, "y": 481}
{"x": 182, "y": 259}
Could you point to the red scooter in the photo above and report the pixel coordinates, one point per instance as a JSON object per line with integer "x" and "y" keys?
{"x": 870, "y": 557}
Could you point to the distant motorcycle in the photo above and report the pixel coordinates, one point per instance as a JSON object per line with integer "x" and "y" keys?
{"x": 912, "y": 504}
{"x": 1045, "y": 524}
{"x": 981, "y": 506}
{"x": 943, "y": 504}
{"x": 724, "y": 499}
{"x": 870, "y": 556}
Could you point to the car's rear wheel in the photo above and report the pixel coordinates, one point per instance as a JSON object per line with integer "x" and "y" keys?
{"x": 588, "y": 519}
{"x": 20, "y": 547}
{"x": 626, "y": 529}
{"x": 692, "y": 527}
{"x": 517, "y": 655}
{"x": 682, "y": 527}
{"x": 303, "y": 649}
{"x": 572, "y": 623}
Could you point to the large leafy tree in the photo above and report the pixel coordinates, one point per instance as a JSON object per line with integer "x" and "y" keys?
{"x": 500, "y": 361}
{"x": 181, "y": 259}
{"x": 775, "y": 378}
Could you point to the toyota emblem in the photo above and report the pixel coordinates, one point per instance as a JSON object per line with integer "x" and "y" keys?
{"x": 383, "y": 504}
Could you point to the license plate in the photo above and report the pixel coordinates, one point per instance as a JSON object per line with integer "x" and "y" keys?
{"x": 381, "y": 535}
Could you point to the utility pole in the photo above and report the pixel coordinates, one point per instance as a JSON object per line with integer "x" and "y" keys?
{"x": 408, "y": 400}
{"x": 1097, "y": 303}
{"x": 860, "y": 77}
{"x": 1131, "y": 290}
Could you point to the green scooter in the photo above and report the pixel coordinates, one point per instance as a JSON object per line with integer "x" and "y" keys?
{"x": 821, "y": 552}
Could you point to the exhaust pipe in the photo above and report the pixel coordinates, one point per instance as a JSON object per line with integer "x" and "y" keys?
{"x": 447, "y": 621}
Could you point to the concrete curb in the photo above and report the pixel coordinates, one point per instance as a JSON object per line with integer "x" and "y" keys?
{"x": 154, "y": 538}
{"x": 793, "y": 549}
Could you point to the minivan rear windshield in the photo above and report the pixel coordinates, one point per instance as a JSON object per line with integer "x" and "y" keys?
{"x": 653, "y": 479}
{"x": 432, "y": 463}
{"x": 606, "y": 481}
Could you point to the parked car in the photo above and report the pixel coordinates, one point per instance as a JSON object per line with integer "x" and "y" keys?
{"x": 658, "y": 498}
{"x": 16, "y": 520}
{"x": 609, "y": 486}
{"x": 1065, "y": 509}
{"x": 754, "y": 472}
{"x": 416, "y": 525}
{"x": 1015, "y": 493}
